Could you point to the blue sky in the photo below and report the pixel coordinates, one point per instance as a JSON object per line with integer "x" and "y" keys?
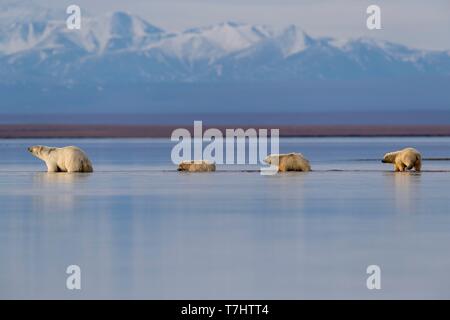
{"x": 418, "y": 23}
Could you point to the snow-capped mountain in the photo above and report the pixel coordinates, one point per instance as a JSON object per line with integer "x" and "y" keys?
{"x": 119, "y": 62}
{"x": 121, "y": 47}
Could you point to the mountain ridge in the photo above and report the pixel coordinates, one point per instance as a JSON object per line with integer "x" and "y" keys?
{"x": 119, "y": 41}
{"x": 119, "y": 62}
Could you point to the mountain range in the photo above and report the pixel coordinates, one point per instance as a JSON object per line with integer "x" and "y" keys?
{"x": 120, "y": 47}
{"x": 38, "y": 53}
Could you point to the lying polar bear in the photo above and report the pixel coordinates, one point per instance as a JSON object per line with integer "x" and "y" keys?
{"x": 197, "y": 166}
{"x": 289, "y": 162}
{"x": 405, "y": 159}
{"x": 67, "y": 159}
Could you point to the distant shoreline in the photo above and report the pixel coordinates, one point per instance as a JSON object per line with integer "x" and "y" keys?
{"x": 17, "y": 131}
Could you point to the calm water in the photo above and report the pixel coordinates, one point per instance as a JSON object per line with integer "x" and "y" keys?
{"x": 139, "y": 229}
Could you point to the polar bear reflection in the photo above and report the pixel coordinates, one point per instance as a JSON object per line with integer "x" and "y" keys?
{"x": 58, "y": 192}
{"x": 407, "y": 195}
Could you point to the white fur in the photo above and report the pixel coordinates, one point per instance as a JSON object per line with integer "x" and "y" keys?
{"x": 289, "y": 162}
{"x": 67, "y": 159}
{"x": 404, "y": 160}
{"x": 197, "y": 166}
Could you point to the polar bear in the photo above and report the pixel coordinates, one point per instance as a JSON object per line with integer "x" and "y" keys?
{"x": 197, "y": 166}
{"x": 67, "y": 159}
{"x": 289, "y": 162}
{"x": 405, "y": 159}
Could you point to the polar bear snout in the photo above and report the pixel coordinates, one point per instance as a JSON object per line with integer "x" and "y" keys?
{"x": 34, "y": 149}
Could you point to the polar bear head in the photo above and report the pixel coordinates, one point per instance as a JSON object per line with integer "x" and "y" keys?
{"x": 389, "y": 157}
{"x": 184, "y": 165}
{"x": 272, "y": 159}
{"x": 39, "y": 151}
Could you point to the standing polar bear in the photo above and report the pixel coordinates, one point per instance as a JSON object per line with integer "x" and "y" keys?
{"x": 289, "y": 162}
{"x": 405, "y": 159}
{"x": 67, "y": 159}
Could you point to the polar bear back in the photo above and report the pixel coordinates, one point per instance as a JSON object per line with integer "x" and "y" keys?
{"x": 409, "y": 154}
{"x": 72, "y": 159}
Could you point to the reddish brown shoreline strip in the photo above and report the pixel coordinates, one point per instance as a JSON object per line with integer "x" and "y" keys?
{"x": 165, "y": 131}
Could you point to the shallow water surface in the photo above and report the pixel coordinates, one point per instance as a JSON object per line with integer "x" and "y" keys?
{"x": 139, "y": 229}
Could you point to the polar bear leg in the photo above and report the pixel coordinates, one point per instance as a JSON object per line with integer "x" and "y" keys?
{"x": 74, "y": 166}
{"x": 72, "y": 169}
{"x": 399, "y": 166}
{"x": 51, "y": 167}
